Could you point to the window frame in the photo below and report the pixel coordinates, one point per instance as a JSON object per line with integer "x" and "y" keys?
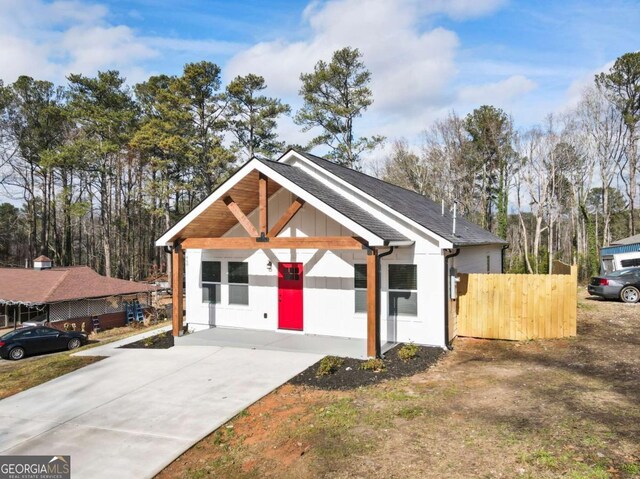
{"x": 396, "y": 290}
{"x": 232, "y": 284}
{"x": 630, "y": 263}
{"x": 357, "y": 289}
{"x": 203, "y": 283}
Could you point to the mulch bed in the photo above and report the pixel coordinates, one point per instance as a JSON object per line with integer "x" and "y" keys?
{"x": 159, "y": 341}
{"x": 350, "y": 375}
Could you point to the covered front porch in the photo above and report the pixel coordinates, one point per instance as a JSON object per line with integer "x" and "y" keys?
{"x": 279, "y": 341}
{"x": 209, "y": 227}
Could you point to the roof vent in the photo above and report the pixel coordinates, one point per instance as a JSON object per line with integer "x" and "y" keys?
{"x": 42, "y": 262}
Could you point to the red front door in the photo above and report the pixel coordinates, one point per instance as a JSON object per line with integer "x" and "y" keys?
{"x": 290, "y": 296}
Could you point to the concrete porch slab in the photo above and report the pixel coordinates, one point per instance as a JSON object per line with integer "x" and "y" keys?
{"x": 279, "y": 341}
{"x": 276, "y": 341}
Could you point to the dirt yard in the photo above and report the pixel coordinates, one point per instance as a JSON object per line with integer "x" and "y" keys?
{"x": 489, "y": 409}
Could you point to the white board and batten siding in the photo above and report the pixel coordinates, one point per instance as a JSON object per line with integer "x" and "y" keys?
{"x": 328, "y": 284}
{"x": 479, "y": 259}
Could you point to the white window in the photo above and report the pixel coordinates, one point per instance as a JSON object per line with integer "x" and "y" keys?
{"x": 211, "y": 282}
{"x": 238, "y": 283}
{"x": 360, "y": 287}
{"x": 403, "y": 290}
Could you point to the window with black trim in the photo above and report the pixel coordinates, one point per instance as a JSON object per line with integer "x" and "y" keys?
{"x": 403, "y": 289}
{"x": 211, "y": 279}
{"x": 630, "y": 263}
{"x": 360, "y": 287}
{"x": 238, "y": 283}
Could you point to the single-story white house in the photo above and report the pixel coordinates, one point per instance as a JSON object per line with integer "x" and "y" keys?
{"x": 304, "y": 245}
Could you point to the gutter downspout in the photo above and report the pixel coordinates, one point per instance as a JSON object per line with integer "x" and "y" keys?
{"x": 447, "y": 288}
{"x": 168, "y": 250}
{"x": 503, "y": 254}
{"x": 378, "y": 280}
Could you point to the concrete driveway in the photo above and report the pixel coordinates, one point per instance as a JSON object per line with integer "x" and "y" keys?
{"x": 130, "y": 415}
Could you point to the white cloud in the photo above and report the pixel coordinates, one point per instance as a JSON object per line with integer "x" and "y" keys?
{"x": 413, "y": 63}
{"x": 49, "y": 40}
{"x": 408, "y": 66}
{"x": 499, "y": 93}
{"x": 412, "y": 67}
{"x": 579, "y": 85}
{"x": 94, "y": 47}
{"x": 23, "y": 57}
{"x": 36, "y": 14}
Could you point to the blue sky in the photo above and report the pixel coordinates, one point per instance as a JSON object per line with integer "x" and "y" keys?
{"x": 530, "y": 58}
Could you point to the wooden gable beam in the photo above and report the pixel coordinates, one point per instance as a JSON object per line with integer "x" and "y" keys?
{"x": 263, "y": 204}
{"x": 286, "y": 217}
{"x": 241, "y": 217}
{"x": 321, "y": 242}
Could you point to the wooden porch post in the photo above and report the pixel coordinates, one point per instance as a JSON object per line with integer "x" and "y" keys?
{"x": 177, "y": 270}
{"x": 373, "y": 305}
{"x": 264, "y": 204}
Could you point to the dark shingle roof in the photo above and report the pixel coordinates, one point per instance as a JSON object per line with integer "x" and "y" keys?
{"x": 336, "y": 201}
{"x": 414, "y": 206}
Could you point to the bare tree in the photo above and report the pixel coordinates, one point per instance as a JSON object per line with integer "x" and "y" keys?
{"x": 605, "y": 136}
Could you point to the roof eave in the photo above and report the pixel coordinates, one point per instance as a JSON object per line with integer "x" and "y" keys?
{"x": 480, "y": 243}
{"x": 399, "y": 243}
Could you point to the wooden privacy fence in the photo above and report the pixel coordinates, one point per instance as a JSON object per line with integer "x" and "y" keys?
{"x": 517, "y": 306}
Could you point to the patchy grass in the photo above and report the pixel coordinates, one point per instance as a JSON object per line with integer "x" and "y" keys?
{"x": 28, "y": 374}
{"x": 114, "y": 334}
{"x": 490, "y": 409}
{"x": 18, "y": 376}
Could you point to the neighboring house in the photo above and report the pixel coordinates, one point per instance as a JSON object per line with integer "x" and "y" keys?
{"x": 304, "y": 245}
{"x": 72, "y": 296}
{"x": 624, "y": 253}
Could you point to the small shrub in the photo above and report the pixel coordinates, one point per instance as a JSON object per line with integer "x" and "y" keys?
{"x": 408, "y": 351}
{"x": 374, "y": 364}
{"x": 329, "y": 365}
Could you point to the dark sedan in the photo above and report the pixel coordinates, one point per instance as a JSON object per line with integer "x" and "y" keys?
{"x": 35, "y": 340}
{"x": 623, "y": 284}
